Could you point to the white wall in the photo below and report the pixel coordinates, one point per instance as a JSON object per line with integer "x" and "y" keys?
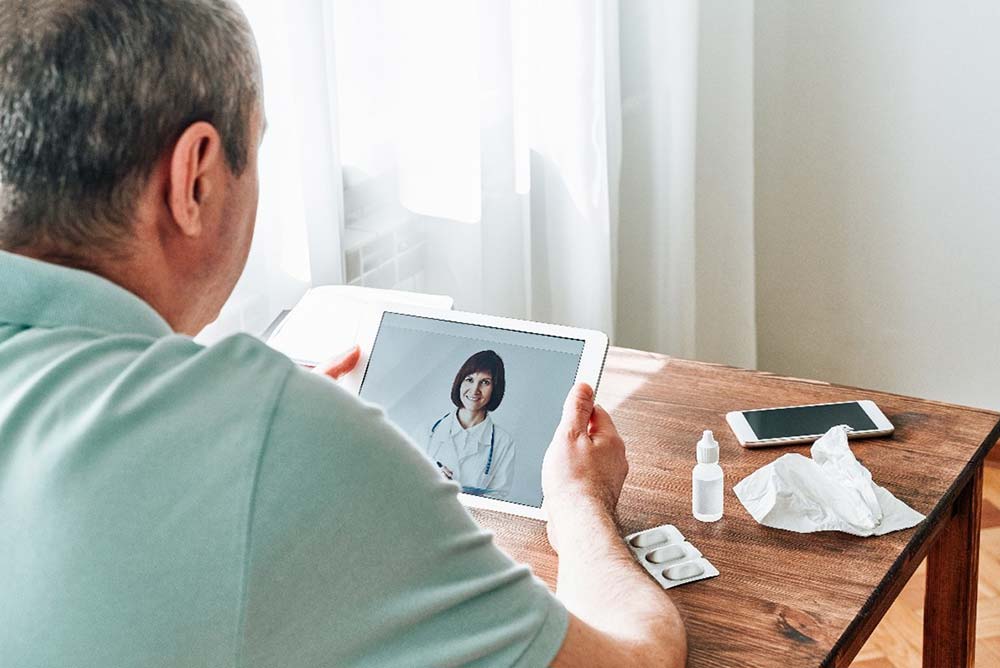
{"x": 724, "y": 205}
{"x": 685, "y": 235}
{"x": 877, "y": 221}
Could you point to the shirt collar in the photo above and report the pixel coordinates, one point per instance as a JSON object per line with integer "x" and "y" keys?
{"x": 42, "y": 294}
{"x": 480, "y": 432}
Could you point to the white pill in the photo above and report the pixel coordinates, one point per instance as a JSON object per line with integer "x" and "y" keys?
{"x": 684, "y": 571}
{"x": 662, "y": 555}
{"x": 653, "y": 537}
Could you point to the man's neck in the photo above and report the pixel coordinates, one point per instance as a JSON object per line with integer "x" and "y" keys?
{"x": 143, "y": 276}
{"x": 61, "y": 258}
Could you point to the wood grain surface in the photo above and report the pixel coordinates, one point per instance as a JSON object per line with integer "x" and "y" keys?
{"x": 782, "y": 599}
{"x": 897, "y": 642}
{"x": 952, "y": 567}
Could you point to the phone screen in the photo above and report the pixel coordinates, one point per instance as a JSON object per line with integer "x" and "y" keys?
{"x": 807, "y": 420}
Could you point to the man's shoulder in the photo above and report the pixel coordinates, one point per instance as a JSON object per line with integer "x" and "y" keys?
{"x": 130, "y": 370}
{"x": 236, "y": 368}
{"x": 232, "y": 384}
{"x": 241, "y": 372}
{"x": 239, "y": 351}
{"x": 311, "y": 407}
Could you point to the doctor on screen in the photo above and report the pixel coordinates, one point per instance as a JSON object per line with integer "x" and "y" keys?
{"x": 465, "y": 443}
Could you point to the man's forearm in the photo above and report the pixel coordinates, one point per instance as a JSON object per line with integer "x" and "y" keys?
{"x": 600, "y": 582}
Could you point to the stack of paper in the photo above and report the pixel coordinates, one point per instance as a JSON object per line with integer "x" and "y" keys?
{"x": 325, "y": 322}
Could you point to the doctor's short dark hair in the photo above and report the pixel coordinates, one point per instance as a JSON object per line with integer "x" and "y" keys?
{"x": 92, "y": 92}
{"x": 484, "y": 360}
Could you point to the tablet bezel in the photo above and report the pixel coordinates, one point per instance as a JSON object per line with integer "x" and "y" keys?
{"x": 595, "y": 349}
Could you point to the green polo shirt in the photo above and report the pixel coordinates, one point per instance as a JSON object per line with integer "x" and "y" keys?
{"x": 163, "y": 503}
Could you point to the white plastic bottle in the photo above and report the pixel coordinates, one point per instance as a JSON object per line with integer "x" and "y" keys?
{"x": 706, "y": 481}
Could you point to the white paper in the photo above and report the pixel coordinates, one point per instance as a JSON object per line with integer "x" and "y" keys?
{"x": 325, "y": 322}
{"x": 832, "y": 491}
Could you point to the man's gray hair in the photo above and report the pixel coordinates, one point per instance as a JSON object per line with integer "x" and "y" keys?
{"x": 91, "y": 94}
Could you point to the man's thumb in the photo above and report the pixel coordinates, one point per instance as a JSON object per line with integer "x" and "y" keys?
{"x": 345, "y": 363}
{"x": 577, "y": 409}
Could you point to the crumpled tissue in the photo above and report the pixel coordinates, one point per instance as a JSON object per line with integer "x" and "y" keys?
{"x": 830, "y": 492}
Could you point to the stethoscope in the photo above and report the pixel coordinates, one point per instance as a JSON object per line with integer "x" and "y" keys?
{"x": 493, "y": 437}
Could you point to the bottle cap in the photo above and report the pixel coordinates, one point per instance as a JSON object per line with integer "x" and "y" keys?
{"x": 708, "y": 448}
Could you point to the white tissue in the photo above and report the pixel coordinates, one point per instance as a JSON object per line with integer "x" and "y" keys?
{"x": 830, "y": 492}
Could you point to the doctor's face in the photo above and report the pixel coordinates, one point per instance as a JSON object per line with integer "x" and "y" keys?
{"x": 476, "y": 391}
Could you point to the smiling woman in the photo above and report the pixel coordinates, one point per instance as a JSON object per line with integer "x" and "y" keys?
{"x": 466, "y": 444}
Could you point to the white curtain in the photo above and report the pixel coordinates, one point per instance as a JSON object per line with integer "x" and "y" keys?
{"x": 571, "y": 161}
{"x": 297, "y": 240}
{"x": 490, "y": 129}
{"x": 686, "y": 239}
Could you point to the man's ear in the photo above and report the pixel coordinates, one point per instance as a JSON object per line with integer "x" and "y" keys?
{"x": 196, "y": 173}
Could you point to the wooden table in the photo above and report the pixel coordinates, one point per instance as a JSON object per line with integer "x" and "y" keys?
{"x": 787, "y": 599}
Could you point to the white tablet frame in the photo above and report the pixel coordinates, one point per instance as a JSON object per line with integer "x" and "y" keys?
{"x": 595, "y": 349}
{"x": 748, "y": 438}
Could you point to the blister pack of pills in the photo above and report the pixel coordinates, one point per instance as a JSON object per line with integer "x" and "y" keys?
{"x": 668, "y": 557}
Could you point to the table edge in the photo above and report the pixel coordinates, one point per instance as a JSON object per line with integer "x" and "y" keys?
{"x": 809, "y": 381}
{"x": 915, "y": 551}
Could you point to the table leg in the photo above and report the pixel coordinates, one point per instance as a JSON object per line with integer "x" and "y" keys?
{"x": 952, "y": 583}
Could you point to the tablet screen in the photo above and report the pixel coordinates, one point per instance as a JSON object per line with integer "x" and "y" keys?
{"x": 481, "y": 402}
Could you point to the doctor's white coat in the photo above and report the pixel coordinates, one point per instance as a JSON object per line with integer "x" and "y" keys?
{"x": 467, "y": 451}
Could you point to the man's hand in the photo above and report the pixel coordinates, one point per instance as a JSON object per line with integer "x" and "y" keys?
{"x": 585, "y": 463}
{"x": 619, "y": 615}
{"x": 341, "y": 364}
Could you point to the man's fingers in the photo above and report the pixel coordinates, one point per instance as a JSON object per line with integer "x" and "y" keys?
{"x": 577, "y": 409}
{"x": 341, "y": 365}
{"x": 600, "y": 422}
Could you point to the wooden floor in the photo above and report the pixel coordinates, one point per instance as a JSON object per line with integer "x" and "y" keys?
{"x": 897, "y": 641}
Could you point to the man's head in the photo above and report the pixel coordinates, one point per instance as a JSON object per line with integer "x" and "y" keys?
{"x": 129, "y": 123}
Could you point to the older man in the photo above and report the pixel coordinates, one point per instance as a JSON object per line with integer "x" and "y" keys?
{"x": 167, "y": 504}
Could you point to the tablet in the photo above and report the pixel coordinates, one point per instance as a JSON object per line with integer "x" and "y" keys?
{"x": 480, "y": 395}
